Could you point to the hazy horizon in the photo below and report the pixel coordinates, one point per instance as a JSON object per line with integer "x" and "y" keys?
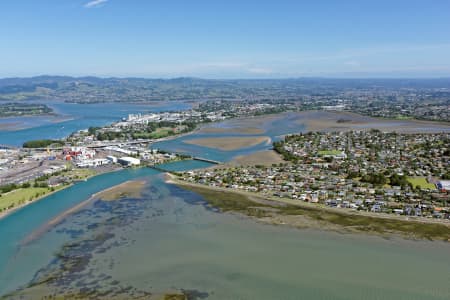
{"x": 230, "y": 78}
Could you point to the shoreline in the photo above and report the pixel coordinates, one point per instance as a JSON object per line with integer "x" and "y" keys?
{"x": 262, "y": 118}
{"x": 329, "y": 122}
{"x": 18, "y": 126}
{"x": 269, "y": 215}
{"x": 229, "y": 143}
{"x": 74, "y": 209}
{"x": 8, "y": 212}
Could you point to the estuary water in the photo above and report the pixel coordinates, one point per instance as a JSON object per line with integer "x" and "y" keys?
{"x": 168, "y": 240}
{"x": 72, "y": 117}
{"x": 273, "y": 127}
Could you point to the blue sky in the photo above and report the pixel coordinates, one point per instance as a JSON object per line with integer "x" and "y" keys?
{"x": 225, "y": 39}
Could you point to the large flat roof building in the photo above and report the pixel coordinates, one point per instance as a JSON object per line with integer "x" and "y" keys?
{"x": 129, "y": 161}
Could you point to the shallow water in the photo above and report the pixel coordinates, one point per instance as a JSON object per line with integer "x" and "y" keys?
{"x": 19, "y": 261}
{"x": 273, "y": 127}
{"x": 72, "y": 117}
{"x": 170, "y": 241}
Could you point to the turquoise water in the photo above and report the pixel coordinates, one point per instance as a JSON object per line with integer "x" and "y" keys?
{"x": 14, "y": 268}
{"x": 169, "y": 240}
{"x": 73, "y": 117}
{"x": 274, "y": 128}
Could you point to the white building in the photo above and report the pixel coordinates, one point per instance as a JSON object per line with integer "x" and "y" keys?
{"x": 112, "y": 159}
{"x": 129, "y": 161}
{"x": 92, "y": 163}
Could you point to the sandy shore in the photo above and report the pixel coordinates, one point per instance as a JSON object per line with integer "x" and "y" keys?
{"x": 229, "y": 143}
{"x": 128, "y": 189}
{"x": 317, "y": 216}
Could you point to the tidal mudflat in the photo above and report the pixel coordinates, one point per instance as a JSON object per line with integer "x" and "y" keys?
{"x": 344, "y": 121}
{"x": 165, "y": 240}
{"x": 171, "y": 242}
{"x": 229, "y": 143}
{"x": 237, "y": 130}
{"x": 321, "y": 121}
{"x": 297, "y": 214}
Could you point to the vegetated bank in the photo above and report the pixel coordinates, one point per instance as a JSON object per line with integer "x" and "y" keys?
{"x": 16, "y": 109}
{"x": 43, "y": 143}
{"x": 302, "y": 215}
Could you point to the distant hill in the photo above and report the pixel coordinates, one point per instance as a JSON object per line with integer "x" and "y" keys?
{"x": 95, "y": 89}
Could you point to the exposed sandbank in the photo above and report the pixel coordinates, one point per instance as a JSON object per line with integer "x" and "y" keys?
{"x": 237, "y": 130}
{"x": 241, "y": 125}
{"x": 128, "y": 189}
{"x": 229, "y": 143}
{"x": 9, "y": 126}
{"x": 344, "y": 121}
{"x": 132, "y": 189}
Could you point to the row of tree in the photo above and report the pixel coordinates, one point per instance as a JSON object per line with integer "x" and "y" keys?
{"x": 42, "y": 143}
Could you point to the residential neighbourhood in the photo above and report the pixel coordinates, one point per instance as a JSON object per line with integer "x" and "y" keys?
{"x": 405, "y": 174}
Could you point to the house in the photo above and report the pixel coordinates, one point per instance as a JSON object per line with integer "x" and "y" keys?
{"x": 444, "y": 185}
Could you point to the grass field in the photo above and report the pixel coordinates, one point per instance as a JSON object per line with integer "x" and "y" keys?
{"x": 422, "y": 182}
{"x": 161, "y": 132}
{"x": 81, "y": 173}
{"x": 21, "y": 196}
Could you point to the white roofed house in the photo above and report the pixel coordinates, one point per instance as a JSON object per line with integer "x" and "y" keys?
{"x": 444, "y": 185}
